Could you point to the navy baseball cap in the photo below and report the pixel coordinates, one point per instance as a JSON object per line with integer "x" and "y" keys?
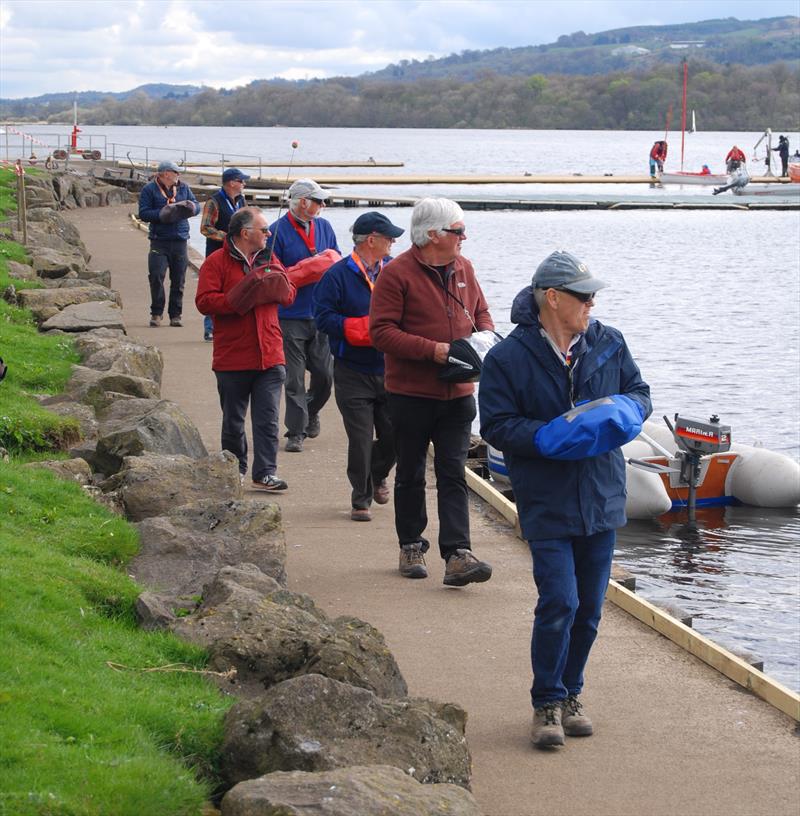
{"x": 234, "y": 174}
{"x": 371, "y": 222}
{"x": 562, "y": 270}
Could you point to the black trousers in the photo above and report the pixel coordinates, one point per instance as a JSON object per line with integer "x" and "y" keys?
{"x": 165, "y": 255}
{"x": 262, "y": 390}
{"x": 305, "y": 348}
{"x": 370, "y": 445}
{"x": 417, "y": 422}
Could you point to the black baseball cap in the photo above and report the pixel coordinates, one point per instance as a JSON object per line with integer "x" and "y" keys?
{"x": 371, "y": 222}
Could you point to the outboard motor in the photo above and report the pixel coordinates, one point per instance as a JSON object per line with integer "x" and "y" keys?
{"x": 695, "y": 439}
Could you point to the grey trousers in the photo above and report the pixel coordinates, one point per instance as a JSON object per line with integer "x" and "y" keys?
{"x": 262, "y": 390}
{"x": 370, "y": 445}
{"x": 305, "y": 348}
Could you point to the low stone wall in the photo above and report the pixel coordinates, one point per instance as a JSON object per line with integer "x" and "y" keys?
{"x": 324, "y": 722}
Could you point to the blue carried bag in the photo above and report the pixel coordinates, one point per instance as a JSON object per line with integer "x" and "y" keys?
{"x": 591, "y": 428}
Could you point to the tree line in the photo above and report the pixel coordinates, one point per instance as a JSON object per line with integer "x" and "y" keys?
{"x": 734, "y": 97}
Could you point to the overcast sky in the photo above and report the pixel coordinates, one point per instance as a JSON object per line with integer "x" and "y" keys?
{"x": 49, "y": 46}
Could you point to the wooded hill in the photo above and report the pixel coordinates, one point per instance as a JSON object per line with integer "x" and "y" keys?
{"x": 745, "y": 42}
{"x": 734, "y": 98}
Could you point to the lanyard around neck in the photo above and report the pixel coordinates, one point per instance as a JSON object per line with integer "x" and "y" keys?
{"x": 360, "y": 264}
{"x": 307, "y": 237}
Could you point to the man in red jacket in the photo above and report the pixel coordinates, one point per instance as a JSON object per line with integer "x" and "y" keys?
{"x": 426, "y": 298}
{"x": 242, "y": 289}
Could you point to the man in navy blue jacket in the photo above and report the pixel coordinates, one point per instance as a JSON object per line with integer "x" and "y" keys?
{"x": 166, "y": 203}
{"x": 341, "y": 311}
{"x": 559, "y": 396}
{"x": 297, "y": 236}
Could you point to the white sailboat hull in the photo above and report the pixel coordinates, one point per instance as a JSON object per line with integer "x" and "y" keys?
{"x": 709, "y": 179}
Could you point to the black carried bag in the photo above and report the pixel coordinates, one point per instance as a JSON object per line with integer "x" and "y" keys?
{"x": 465, "y": 358}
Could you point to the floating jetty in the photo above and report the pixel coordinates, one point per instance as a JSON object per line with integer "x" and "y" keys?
{"x": 367, "y": 163}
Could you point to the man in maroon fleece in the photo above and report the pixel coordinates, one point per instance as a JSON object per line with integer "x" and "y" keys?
{"x": 426, "y": 298}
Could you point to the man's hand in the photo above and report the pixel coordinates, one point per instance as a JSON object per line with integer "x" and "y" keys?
{"x": 441, "y": 353}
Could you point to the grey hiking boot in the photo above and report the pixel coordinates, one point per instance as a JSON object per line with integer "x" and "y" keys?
{"x": 575, "y": 722}
{"x": 412, "y": 561}
{"x": 546, "y": 731}
{"x": 294, "y": 444}
{"x": 464, "y": 568}
{"x": 313, "y": 427}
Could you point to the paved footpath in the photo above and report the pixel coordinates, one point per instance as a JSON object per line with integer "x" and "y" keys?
{"x": 672, "y": 735}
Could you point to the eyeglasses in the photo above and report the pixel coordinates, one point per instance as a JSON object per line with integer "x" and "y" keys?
{"x": 317, "y": 201}
{"x": 583, "y": 297}
{"x": 385, "y": 237}
{"x": 265, "y": 230}
{"x": 460, "y": 231}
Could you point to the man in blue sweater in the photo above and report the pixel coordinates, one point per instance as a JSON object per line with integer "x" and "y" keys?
{"x": 559, "y": 396}
{"x": 166, "y": 203}
{"x": 341, "y": 310}
{"x": 296, "y": 237}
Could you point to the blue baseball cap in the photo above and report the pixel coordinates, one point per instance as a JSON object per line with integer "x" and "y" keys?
{"x": 233, "y": 174}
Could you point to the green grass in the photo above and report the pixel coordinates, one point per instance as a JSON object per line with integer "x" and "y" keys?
{"x": 77, "y": 736}
{"x": 37, "y": 364}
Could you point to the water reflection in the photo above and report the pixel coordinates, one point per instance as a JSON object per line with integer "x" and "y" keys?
{"x": 736, "y": 571}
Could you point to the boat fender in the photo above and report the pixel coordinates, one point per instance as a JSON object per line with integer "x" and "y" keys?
{"x": 647, "y": 497}
{"x": 764, "y": 478}
{"x": 591, "y": 428}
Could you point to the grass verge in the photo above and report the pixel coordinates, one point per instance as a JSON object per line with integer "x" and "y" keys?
{"x": 97, "y": 716}
{"x": 78, "y": 736}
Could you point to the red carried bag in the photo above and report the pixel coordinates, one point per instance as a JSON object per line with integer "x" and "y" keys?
{"x": 260, "y": 286}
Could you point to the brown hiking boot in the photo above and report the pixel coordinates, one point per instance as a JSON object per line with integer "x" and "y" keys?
{"x": 381, "y": 492}
{"x": 412, "y": 561}
{"x": 575, "y": 722}
{"x": 546, "y": 731}
{"x": 464, "y": 568}
{"x": 155, "y": 321}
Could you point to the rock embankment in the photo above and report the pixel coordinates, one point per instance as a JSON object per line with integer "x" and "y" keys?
{"x": 324, "y": 722}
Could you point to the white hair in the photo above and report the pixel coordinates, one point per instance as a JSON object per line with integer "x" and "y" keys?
{"x": 432, "y": 214}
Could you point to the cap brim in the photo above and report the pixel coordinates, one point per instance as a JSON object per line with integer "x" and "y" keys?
{"x": 583, "y": 287}
{"x": 392, "y": 231}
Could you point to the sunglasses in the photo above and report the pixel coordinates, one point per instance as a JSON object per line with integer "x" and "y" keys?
{"x": 583, "y": 297}
{"x": 319, "y": 201}
{"x": 265, "y": 230}
{"x": 457, "y": 231}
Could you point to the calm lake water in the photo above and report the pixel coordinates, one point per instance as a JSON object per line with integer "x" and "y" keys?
{"x": 708, "y": 301}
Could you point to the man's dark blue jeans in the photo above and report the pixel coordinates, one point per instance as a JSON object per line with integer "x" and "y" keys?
{"x": 571, "y": 576}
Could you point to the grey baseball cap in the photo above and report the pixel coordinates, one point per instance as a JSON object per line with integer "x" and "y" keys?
{"x": 562, "y": 270}
{"x": 165, "y": 166}
{"x": 307, "y": 188}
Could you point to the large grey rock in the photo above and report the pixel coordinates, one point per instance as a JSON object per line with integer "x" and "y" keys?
{"x": 153, "y": 611}
{"x": 72, "y": 470}
{"x": 41, "y": 237}
{"x": 374, "y": 790}
{"x": 44, "y": 303}
{"x": 21, "y": 271}
{"x": 153, "y": 484}
{"x": 86, "y": 316}
{"x": 63, "y": 405}
{"x": 184, "y": 550}
{"x": 132, "y": 427}
{"x": 270, "y": 637}
{"x": 51, "y": 263}
{"x": 54, "y": 222}
{"x": 96, "y": 387}
{"x": 313, "y": 723}
{"x": 120, "y": 353}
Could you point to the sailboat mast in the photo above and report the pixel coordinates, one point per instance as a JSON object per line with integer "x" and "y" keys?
{"x": 683, "y": 111}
